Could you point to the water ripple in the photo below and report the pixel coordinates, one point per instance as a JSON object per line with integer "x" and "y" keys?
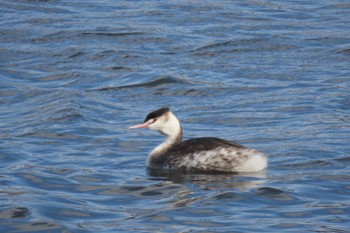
{"x": 149, "y": 82}
{"x": 269, "y": 75}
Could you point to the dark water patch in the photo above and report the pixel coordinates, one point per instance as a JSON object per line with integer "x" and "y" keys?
{"x": 12, "y": 192}
{"x": 157, "y": 82}
{"x": 229, "y": 196}
{"x": 273, "y": 193}
{"x": 119, "y": 68}
{"x": 344, "y": 51}
{"x": 77, "y": 54}
{"x": 18, "y": 212}
{"x": 183, "y": 91}
{"x": 344, "y": 159}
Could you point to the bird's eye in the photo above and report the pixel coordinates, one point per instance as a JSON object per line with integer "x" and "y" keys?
{"x": 154, "y": 120}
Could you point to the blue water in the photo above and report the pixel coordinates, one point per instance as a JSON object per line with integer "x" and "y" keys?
{"x": 272, "y": 75}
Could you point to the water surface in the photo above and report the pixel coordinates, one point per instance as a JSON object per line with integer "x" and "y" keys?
{"x": 270, "y": 75}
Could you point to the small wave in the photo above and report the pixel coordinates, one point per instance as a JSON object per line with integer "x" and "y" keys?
{"x": 43, "y": 108}
{"x": 64, "y": 35}
{"x": 195, "y": 92}
{"x": 243, "y": 45}
{"x": 116, "y": 34}
{"x": 312, "y": 164}
{"x": 156, "y": 82}
{"x": 345, "y": 51}
{"x": 230, "y": 196}
{"x": 57, "y": 36}
{"x": 273, "y": 193}
{"x": 22, "y": 216}
{"x": 49, "y": 135}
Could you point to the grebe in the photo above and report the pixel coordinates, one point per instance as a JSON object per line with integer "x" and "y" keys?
{"x": 206, "y": 154}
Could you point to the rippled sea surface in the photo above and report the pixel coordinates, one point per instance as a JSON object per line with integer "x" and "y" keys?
{"x": 272, "y": 75}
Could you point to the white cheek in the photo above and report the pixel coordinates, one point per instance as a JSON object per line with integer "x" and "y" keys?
{"x": 156, "y": 126}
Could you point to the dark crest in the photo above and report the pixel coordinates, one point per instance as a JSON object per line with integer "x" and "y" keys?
{"x": 156, "y": 113}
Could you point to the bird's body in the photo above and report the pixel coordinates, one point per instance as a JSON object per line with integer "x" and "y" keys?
{"x": 206, "y": 154}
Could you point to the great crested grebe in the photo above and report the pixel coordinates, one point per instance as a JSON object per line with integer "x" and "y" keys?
{"x": 206, "y": 154}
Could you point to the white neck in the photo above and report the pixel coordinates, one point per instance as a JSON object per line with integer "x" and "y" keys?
{"x": 173, "y": 132}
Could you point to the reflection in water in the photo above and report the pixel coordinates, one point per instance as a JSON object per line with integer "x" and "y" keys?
{"x": 184, "y": 197}
{"x": 176, "y": 188}
{"x": 24, "y": 222}
{"x": 242, "y": 181}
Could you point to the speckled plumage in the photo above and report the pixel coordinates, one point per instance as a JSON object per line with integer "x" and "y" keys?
{"x": 206, "y": 154}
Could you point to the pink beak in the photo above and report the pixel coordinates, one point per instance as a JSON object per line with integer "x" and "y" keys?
{"x": 139, "y": 126}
